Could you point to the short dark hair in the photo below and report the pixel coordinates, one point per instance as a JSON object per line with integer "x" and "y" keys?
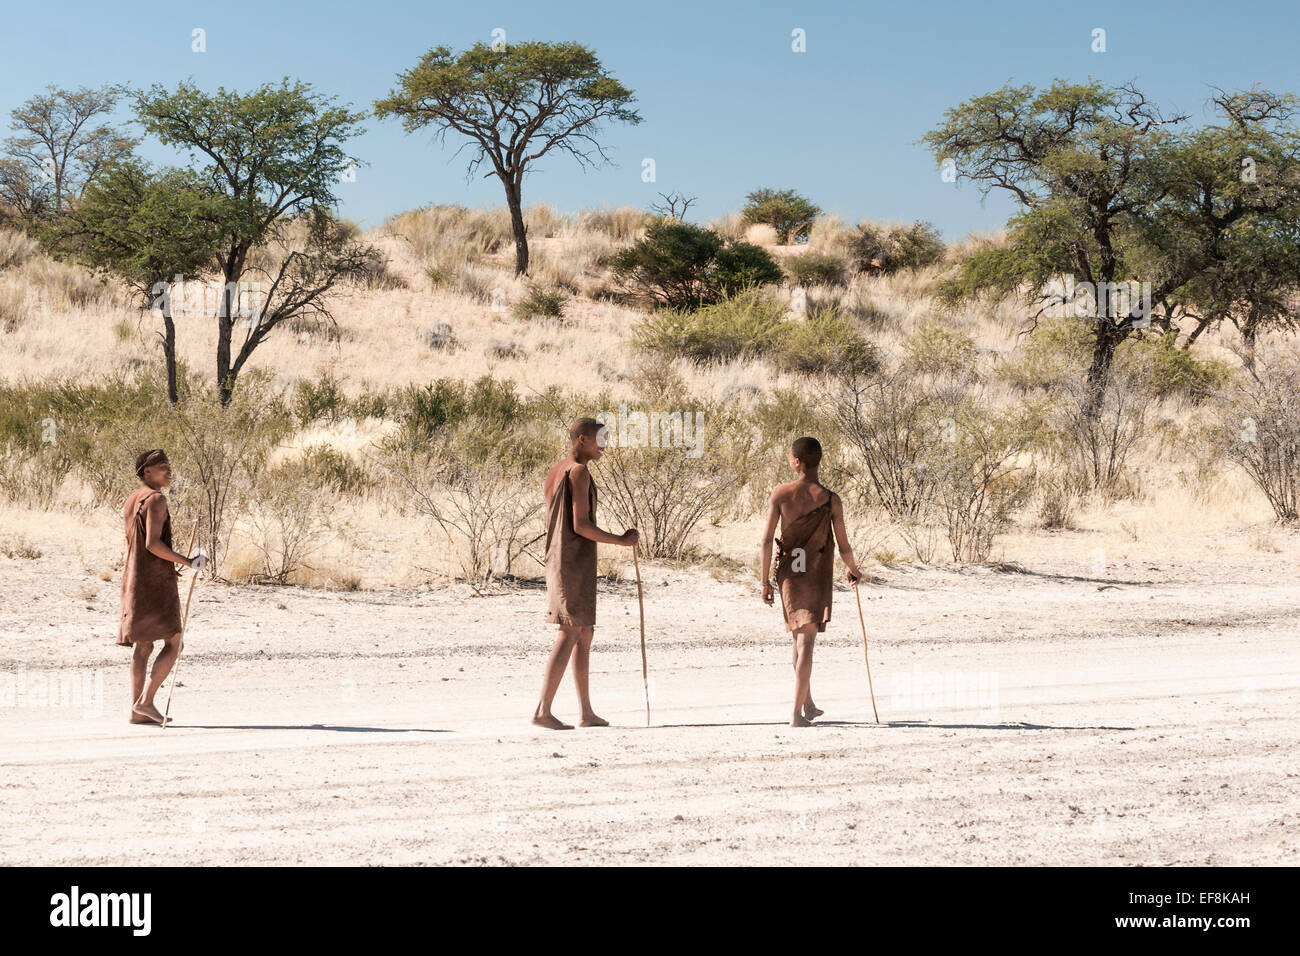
{"x": 146, "y": 459}
{"x": 584, "y": 426}
{"x": 808, "y": 451}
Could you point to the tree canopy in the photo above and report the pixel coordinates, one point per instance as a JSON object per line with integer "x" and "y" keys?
{"x": 514, "y": 105}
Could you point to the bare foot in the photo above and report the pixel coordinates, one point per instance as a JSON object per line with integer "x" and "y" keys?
{"x": 592, "y": 720}
{"x": 137, "y": 719}
{"x": 812, "y": 713}
{"x": 149, "y": 711}
{"x": 551, "y": 722}
{"x": 798, "y": 721}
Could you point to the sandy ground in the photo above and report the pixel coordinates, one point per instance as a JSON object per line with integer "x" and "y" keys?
{"x": 1038, "y": 716}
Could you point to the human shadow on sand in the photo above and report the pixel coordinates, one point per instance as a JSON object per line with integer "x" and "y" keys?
{"x": 899, "y": 723}
{"x": 354, "y": 730}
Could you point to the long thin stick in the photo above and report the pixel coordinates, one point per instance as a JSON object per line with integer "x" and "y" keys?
{"x": 176, "y": 667}
{"x": 865, "y": 655}
{"x": 645, "y": 672}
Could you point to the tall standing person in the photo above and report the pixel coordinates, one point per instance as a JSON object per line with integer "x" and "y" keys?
{"x": 571, "y": 539}
{"x": 151, "y": 601}
{"x": 810, "y": 514}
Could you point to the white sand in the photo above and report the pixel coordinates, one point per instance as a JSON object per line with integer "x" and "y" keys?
{"x": 1149, "y": 723}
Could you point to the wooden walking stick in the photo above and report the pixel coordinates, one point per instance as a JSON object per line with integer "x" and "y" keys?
{"x": 176, "y": 668}
{"x": 645, "y": 678}
{"x": 865, "y": 655}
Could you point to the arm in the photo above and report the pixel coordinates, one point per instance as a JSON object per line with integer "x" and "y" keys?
{"x": 154, "y": 516}
{"x": 842, "y": 540}
{"x": 765, "y": 566}
{"x": 582, "y": 522}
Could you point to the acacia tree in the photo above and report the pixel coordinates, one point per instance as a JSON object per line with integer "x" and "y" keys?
{"x": 144, "y": 228}
{"x": 274, "y": 157}
{"x": 789, "y": 213}
{"x": 1252, "y": 274}
{"x": 58, "y": 148}
{"x": 1111, "y": 191}
{"x": 514, "y": 105}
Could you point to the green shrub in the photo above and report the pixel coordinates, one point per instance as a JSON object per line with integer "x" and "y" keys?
{"x": 936, "y": 348}
{"x": 671, "y": 265}
{"x": 319, "y": 401}
{"x": 790, "y": 214}
{"x": 484, "y": 418}
{"x": 749, "y": 326}
{"x": 1169, "y": 370}
{"x": 826, "y": 342}
{"x": 326, "y": 467}
{"x": 885, "y": 249}
{"x": 1056, "y": 351}
{"x": 816, "y": 268}
{"x": 746, "y": 325}
{"x": 540, "y": 302}
{"x": 678, "y": 265}
{"x": 742, "y": 265}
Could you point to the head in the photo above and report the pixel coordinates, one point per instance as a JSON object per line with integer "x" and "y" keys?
{"x": 153, "y": 468}
{"x": 805, "y": 455}
{"x": 589, "y": 437}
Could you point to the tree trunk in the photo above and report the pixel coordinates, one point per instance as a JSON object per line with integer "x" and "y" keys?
{"x": 1249, "y": 335}
{"x": 169, "y": 353}
{"x": 1106, "y": 339}
{"x": 515, "y": 202}
{"x": 1201, "y": 326}
{"x": 225, "y": 323}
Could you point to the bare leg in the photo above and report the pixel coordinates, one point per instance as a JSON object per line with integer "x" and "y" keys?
{"x": 581, "y": 673}
{"x": 139, "y": 671}
{"x": 162, "y": 666}
{"x": 804, "y": 638}
{"x": 809, "y": 710}
{"x": 555, "y": 664}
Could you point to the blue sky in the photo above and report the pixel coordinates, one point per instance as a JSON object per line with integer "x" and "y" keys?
{"x": 727, "y": 105}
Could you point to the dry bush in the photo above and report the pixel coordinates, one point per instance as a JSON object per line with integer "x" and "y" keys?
{"x": 1095, "y": 445}
{"x": 472, "y": 458}
{"x": 32, "y": 480}
{"x": 673, "y": 460}
{"x": 13, "y": 305}
{"x": 623, "y": 224}
{"x": 938, "y": 459}
{"x": 287, "y": 518}
{"x": 980, "y": 482}
{"x": 1058, "y": 501}
{"x": 19, "y": 547}
{"x": 61, "y": 286}
{"x": 939, "y": 349}
{"x": 450, "y": 235}
{"x": 543, "y": 222}
{"x": 830, "y": 234}
{"x": 489, "y": 510}
{"x": 220, "y": 453}
{"x": 555, "y": 269}
{"x": 730, "y": 227}
{"x": 16, "y": 248}
{"x": 1260, "y": 430}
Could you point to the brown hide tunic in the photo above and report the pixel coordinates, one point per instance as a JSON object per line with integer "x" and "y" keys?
{"x": 806, "y": 593}
{"x": 570, "y": 561}
{"x": 151, "y": 600}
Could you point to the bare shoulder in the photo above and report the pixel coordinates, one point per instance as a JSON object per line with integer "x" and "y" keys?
{"x": 157, "y": 505}
{"x": 781, "y": 493}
